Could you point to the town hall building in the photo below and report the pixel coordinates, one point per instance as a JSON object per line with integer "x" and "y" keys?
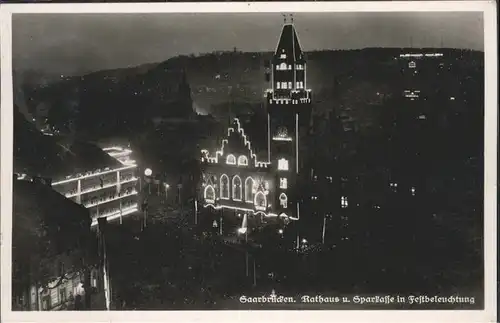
{"x": 252, "y": 189}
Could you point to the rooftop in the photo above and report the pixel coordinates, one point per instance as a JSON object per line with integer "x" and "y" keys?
{"x": 38, "y": 212}
{"x": 289, "y": 43}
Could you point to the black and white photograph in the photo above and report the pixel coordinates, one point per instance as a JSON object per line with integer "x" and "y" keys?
{"x": 256, "y": 158}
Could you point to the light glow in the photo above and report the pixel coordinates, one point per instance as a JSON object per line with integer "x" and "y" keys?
{"x": 115, "y": 198}
{"x": 230, "y": 159}
{"x": 72, "y": 179}
{"x": 297, "y": 142}
{"x": 283, "y": 200}
{"x": 282, "y": 139}
{"x": 243, "y": 160}
{"x": 260, "y": 201}
{"x": 246, "y": 142}
{"x": 224, "y": 187}
{"x": 282, "y": 164}
{"x": 116, "y": 214}
{"x": 255, "y": 212}
{"x": 98, "y": 187}
{"x": 237, "y": 188}
{"x": 148, "y": 172}
{"x": 249, "y": 186}
{"x": 343, "y": 202}
{"x": 209, "y": 194}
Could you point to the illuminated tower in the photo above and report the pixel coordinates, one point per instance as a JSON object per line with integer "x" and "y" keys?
{"x": 288, "y": 107}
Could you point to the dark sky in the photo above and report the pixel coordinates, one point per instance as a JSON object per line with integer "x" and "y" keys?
{"x": 76, "y": 43}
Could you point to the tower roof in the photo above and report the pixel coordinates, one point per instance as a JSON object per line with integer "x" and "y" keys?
{"x": 289, "y": 43}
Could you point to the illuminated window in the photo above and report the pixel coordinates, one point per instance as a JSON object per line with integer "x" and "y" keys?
{"x": 260, "y": 201}
{"x": 283, "y": 183}
{"x": 300, "y": 67}
{"x": 283, "y": 56}
{"x": 289, "y": 85}
{"x": 282, "y": 164}
{"x": 231, "y": 160}
{"x": 283, "y": 200}
{"x": 209, "y": 194}
{"x": 224, "y": 187}
{"x": 284, "y": 85}
{"x": 278, "y": 85}
{"x": 282, "y": 66}
{"x": 289, "y": 67}
{"x": 412, "y": 64}
{"x": 249, "y": 184}
{"x": 237, "y": 189}
{"x": 343, "y": 202}
{"x": 243, "y": 160}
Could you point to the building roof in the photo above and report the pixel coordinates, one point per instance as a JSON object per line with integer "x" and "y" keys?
{"x": 289, "y": 44}
{"x": 40, "y": 214}
{"x": 39, "y": 155}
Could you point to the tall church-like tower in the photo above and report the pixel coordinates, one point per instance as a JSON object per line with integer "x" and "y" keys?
{"x": 289, "y": 110}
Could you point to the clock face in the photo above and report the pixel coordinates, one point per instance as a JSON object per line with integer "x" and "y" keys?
{"x": 282, "y": 132}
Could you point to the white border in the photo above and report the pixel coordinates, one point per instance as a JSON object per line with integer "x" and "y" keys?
{"x": 490, "y": 153}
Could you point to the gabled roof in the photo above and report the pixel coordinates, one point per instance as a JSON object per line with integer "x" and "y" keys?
{"x": 37, "y": 208}
{"x": 289, "y": 43}
{"x": 235, "y": 131}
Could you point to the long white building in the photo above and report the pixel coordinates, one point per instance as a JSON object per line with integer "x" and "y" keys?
{"x": 109, "y": 192}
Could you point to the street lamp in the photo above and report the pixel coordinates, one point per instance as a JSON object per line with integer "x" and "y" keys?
{"x": 148, "y": 172}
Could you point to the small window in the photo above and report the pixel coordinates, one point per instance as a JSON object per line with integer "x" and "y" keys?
{"x": 243, "y": 160}
{"x": 289, "y": 85}
{"x": 278, "y": 85}
{"x": 283, "y": 183}
{"x": 283, "y": 200}
{"x": 343, "y": 202}
{"x": 284, "y": 85}
{"x": 282, "y": 164}
{"x": 231, "y": 160}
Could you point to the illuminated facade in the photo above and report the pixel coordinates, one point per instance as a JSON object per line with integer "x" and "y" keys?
{"x": 234, "y": 178}
{"x": 108, "y": 192}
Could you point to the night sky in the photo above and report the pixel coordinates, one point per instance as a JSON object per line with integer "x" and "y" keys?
{"x": 76, "y": 43}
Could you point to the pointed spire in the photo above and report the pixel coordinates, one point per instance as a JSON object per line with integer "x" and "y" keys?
{"x": 288, "y": 43}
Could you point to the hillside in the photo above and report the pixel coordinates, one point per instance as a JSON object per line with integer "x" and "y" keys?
{"x": 354, "y": 81}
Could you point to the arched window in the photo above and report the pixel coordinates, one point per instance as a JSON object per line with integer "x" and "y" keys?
{"x": 224, "y": 187}
{"x": 243, "y": 160}
{"x": 283, "y": 200}
{"x": 230, "y": 160}
{"x": 260, "y": 201}
{"x": 209, "y": 194}
{"x": 249, "y": 184}
{"x": 237, "y": 189}
{"x": 283, "y": 66}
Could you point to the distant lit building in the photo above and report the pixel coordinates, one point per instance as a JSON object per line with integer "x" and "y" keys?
{"x": 415, "y": 68}
{"x": 109, "y": 192}
{"x": 235, "y": 179}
